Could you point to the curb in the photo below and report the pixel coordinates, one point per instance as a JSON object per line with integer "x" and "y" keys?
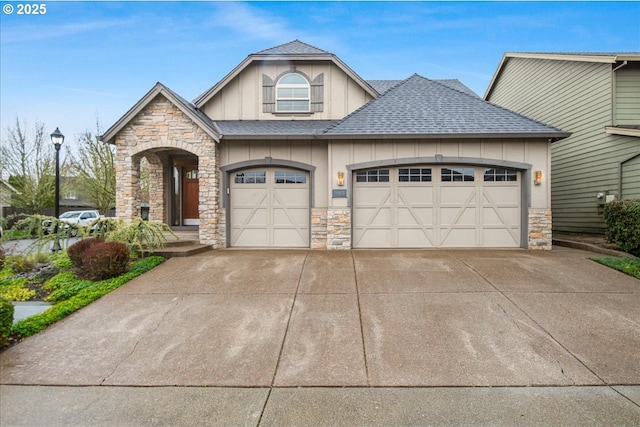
{"x": 589, "y": 247}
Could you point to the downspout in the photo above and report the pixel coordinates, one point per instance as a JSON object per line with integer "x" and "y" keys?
{"x": 613, "y": 91}
{"x": 624, "y": 64}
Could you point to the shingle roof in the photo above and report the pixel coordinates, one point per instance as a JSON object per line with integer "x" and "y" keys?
{"x": 384, "y": 85}
{"x": 295, "y": 47}
{"x": 419, "y": 106}
{"x": 272, "y": 128}
{"x": 381, "y": 86}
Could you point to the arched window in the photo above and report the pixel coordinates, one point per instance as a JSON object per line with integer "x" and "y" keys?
{"x": 292, "y": 94}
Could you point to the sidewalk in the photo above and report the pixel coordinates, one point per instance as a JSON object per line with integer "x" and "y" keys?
{"x": 317, "y": 407}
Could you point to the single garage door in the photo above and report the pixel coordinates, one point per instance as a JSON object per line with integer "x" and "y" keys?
{"x": 436, "y": 206}
{"x": 269, "y": 207}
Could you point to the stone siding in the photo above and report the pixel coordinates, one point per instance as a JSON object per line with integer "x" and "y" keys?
{"x": 540, "y": 235}
{"x": 338, "y": 228}
{"x": 318, "y": 229}
{"x": 157, "y": 197}
{"x": 158, "y": 127}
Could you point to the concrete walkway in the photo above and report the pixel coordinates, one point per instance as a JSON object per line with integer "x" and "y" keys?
{"x": 342, "y": 338}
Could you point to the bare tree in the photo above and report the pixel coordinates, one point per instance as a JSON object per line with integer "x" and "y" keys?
{"x": 94, "y": 170}
{"x": 29, "y": 163}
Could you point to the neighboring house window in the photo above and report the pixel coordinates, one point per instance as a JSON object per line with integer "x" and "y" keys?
{"x": 500, "y": 174}
{"x": 70, "y": 195}
{"x": 457, "y": 174}
{"x": 374, "y": 175}
{"x": 292, "y": 94}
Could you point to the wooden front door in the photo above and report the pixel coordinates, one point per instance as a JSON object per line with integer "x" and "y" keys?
{"x": 190, "y": 196}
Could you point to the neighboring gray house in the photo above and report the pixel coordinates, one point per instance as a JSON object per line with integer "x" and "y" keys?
{"x": 6, "y": 190}
{"x": 595, "y": 97}
{"x": 294, "y": 149}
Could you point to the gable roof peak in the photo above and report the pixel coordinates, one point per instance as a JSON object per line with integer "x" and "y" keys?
{"x": 159, "y": 89}
{"x": 295, "y": 47}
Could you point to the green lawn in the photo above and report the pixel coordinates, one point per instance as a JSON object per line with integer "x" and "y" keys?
{"x": 630, "y": 266}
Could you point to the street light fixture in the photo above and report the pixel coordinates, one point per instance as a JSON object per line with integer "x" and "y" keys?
{"x": 57, "y": 138}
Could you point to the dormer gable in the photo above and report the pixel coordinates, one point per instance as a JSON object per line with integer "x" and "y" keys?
{"x": 261, "y": 88}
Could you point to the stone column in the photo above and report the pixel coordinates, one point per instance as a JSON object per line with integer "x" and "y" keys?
{"x": 127, "y": 185}
{"x": 339, "y": 228}
{"x": 209, "y": 205}
{"x": 540, "y": 235}
{"x": 157, "y": 193}
{"x": 318, "y": 229}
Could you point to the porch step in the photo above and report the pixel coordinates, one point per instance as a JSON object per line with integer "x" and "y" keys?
{"x": 173, "y": 243}
{"x": 182, "y": 235}
{"x": 182, "y": 250}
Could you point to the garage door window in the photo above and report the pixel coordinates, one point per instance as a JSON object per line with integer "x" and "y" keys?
{"x": 282, "y": 177}
{"x": 457, "y": 174}
{"x": 374, "y": 175}
{"x": 414, "y": 175}
{"x": 258, "y": 177}
{"x": 500, "y": 175}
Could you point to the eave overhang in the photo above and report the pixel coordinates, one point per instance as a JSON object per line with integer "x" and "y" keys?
{"x": 550, "y": 136}
{"x": 624, "y": 131}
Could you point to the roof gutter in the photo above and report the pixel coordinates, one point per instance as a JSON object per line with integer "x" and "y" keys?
{"x": 551, "y": 136}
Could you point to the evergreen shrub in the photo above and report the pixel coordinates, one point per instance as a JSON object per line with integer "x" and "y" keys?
{"x": 6, "y": 320}
{"x": 622, "y": 219}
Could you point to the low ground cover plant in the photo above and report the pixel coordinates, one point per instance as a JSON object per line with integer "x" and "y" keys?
{"x": 80, "y": 293}
{"x": 89, "y": 269}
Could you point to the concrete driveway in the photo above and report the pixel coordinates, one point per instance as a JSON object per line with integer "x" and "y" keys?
{"x": 267, "y": 329}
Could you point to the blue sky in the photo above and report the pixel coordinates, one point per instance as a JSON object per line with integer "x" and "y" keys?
{"x": 83, "y": 61}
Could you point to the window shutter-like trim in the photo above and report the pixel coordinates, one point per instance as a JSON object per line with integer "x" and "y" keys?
{"x": 268, "y": 94}
{"x": 317, "y": 94}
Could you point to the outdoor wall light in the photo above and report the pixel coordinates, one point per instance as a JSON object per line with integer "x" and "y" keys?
{"x": 340, "y": 179}
{"x": 538, "y": 178}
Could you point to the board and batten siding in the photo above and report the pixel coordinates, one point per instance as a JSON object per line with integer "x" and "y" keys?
{"x": 575, "y": 97}
{"x": 534, "y": 152}
{"x": 308, "y": 152}
{"x": 242, "y": 97}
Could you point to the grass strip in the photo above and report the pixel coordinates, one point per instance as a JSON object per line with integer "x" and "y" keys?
{"x": 32, "y": 325}
{"x": 630, "y": 266}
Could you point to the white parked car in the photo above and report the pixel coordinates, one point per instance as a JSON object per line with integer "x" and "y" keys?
{"x": 83, "y": 218}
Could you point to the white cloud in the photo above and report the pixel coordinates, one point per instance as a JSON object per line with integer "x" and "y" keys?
{"x": 28, "y": 33}
{"x": 252, "y": 23}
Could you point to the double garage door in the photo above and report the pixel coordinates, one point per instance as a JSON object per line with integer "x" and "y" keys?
{"x": 436, "y": 206}
{"x": 395, "y": 207}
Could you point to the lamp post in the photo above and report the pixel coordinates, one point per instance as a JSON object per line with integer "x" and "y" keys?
{"x": 57, "y": 138}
